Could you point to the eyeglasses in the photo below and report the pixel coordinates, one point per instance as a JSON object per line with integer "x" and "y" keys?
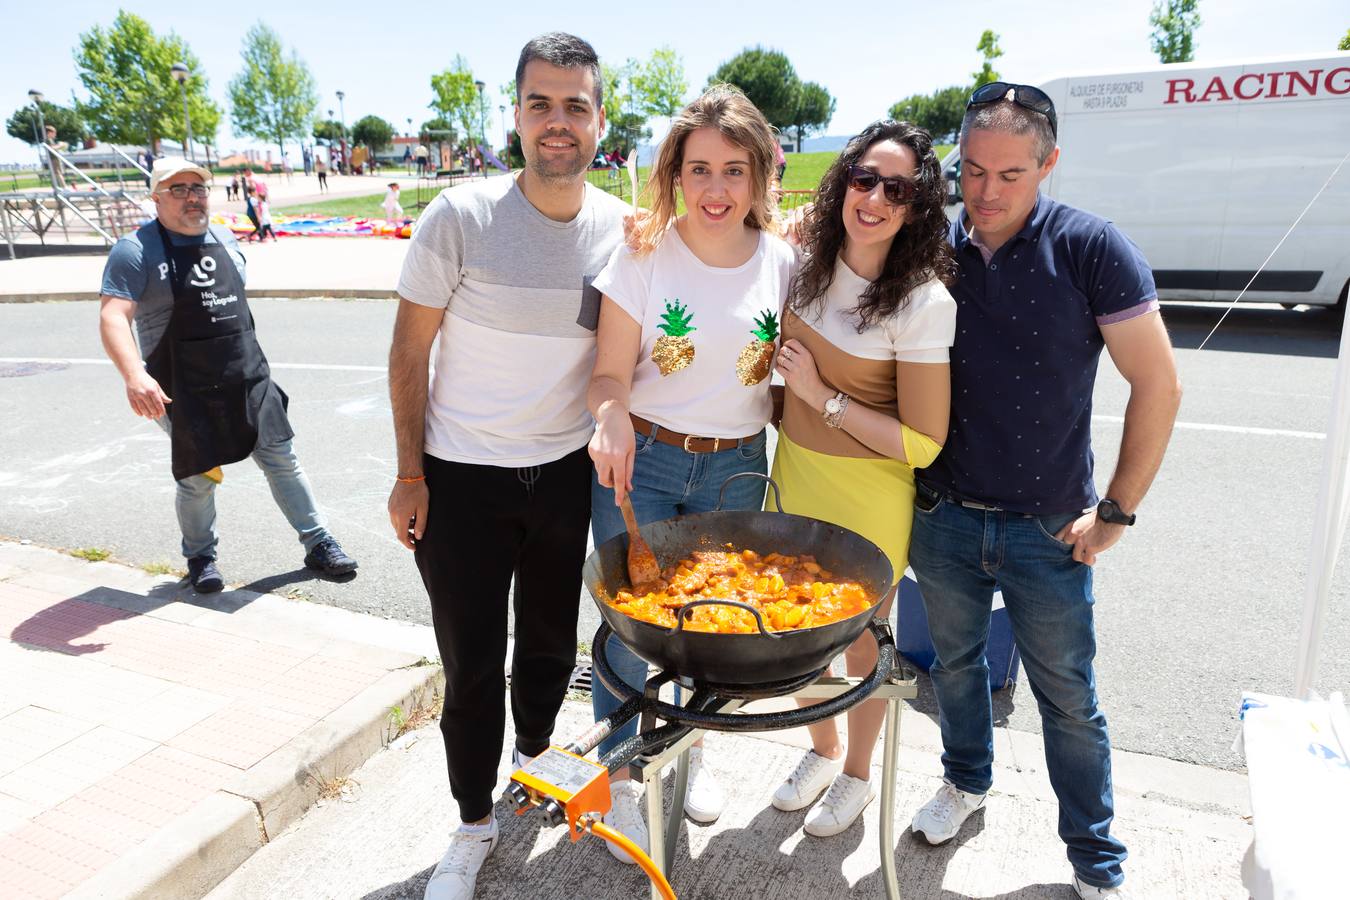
{"x": 181, "y": 191}
{"x": 898, "y": 191}
{"x": 1024, "y": 95}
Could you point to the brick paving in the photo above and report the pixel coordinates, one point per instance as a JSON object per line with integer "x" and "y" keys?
{"x": 115, "y": 722}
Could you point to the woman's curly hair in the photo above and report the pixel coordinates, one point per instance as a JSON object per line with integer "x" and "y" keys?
{"x": 919, "y": 252}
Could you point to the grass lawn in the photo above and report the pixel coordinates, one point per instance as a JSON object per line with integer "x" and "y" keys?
{"x": 804, "y": 171}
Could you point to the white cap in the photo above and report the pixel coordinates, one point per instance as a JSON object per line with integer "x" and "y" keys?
{"x": 169, "y": 166}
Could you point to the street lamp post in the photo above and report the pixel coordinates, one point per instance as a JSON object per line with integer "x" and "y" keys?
{"x": 180, "y": 74}
{"x": 346, "y": 163}
{"x": 482, "y": 128}
{"x": 506, "y": 133}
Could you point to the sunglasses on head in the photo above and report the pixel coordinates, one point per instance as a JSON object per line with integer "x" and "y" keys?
{"x": 898, "y": 191}
{"x": 181, "y": 191}
{"x": 1024, "y": 95}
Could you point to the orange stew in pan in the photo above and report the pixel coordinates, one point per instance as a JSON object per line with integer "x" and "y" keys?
{"x": 791, "y": 592}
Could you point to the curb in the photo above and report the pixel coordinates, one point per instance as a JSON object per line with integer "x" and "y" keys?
{"x": 189, "y": 856}
{"x": 255, "y": 293}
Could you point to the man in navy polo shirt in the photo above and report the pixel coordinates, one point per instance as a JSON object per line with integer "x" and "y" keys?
{"x": 1011, "y": 504}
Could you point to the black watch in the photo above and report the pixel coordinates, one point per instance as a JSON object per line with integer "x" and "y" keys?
{"x": 1109, "y": 511}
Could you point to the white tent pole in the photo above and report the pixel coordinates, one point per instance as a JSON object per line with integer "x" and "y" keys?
{"x": 1328, "y": 523}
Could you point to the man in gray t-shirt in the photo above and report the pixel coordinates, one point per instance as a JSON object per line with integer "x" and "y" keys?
{"x": 494, "y": 478}
{"x": 198, "y": 370}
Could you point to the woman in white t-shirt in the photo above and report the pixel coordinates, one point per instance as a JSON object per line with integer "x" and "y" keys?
{"x": 685, "y": 348}
{"x": 866, "y": 337}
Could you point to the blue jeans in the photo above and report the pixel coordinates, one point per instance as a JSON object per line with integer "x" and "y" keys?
{"x": 667, "y": 482}
{"x": 960, "y": 556}
{"x": 196, "y": 501}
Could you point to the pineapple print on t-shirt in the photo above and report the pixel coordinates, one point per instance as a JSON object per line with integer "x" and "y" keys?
{"x": 756, "y": 359}
{"x": 674, "y": 350}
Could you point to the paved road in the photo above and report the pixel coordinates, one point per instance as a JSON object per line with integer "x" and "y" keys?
{"x": 1201, "y": 601}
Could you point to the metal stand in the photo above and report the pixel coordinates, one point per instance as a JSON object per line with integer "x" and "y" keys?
{"x": 654, "y": 748}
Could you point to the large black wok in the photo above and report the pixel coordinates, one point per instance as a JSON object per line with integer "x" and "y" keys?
{"x": 741, "y": 658}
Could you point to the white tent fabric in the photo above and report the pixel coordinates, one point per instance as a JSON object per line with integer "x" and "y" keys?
{"x": 1329, "y": 521}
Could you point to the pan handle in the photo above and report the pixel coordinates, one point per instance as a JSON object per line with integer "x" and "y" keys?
{"x": 759, "y": 619}
{"x": 722, "y": 494}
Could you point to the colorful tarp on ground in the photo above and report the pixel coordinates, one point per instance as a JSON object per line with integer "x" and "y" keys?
{"x": 316, "y": 226}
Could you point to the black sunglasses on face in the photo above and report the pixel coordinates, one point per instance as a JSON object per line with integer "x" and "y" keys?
{"x": 898, "y": 191}
{"x": 1024, "y": 95}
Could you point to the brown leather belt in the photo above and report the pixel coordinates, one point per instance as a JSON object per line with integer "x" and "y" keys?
{"x": 687, "y": 442}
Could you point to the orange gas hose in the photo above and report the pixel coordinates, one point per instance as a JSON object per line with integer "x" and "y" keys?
{"x": 614, "y": 837}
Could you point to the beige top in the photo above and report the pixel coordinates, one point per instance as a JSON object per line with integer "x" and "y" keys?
{"x": 864, "y": 366}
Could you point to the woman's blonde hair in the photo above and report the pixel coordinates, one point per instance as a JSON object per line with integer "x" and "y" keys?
{"x": 726, "y": 109}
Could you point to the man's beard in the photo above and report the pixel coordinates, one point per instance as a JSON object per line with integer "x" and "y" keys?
{"x": 561, "y": 168}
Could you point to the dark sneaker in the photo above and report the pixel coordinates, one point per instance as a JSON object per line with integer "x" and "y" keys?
{"x": 204, "y": 575}
{"x": 329, "y": 558}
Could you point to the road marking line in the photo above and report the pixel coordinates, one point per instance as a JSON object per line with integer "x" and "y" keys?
{"x": 1230, "y": 429}
{"x": 324, "y": 367}
{"x": 313, "y": 367}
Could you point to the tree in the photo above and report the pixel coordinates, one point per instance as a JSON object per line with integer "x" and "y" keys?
{"x": 329, "y": 130}
{"x": 23, "y": 123}
{"x": 457, "y": 97}
{"x": 988, "y": 47}
{"x": 272, "y": 98}
{"x": 1345, "y": 41}
{"x": 625, "y": 123}
{"x": 133, "y": 98}
{"x": 815, "y": 109}
{"x": 939, "y": 112}
{"x": 373, "y": 131}
{"x": 1174, "y": 23}
{"x": 767, "y": 78}
{"x": 659, "y": 84}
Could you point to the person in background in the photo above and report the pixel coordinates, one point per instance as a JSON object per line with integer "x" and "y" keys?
{"x": 1043, "y": 288}
{"x": 680, "y": 391}
{"x": 250, "y": 189}
{"x": 321, "y": 169}
{"x": 263, "y": 205}
{"x": 865, "y": 362}
{"x": 393, "y": 211}
{"x": 232, "y": 189}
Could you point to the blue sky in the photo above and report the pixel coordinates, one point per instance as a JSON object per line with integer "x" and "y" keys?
{"x": 867, "y": 54}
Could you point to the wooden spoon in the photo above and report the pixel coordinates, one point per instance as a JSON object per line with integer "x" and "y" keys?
{"x": 642, "y": 565}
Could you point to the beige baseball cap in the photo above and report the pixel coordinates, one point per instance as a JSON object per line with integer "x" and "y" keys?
{"x": 169, "y": 166}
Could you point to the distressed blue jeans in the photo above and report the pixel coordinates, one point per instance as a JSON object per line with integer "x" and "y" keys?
{"x": 961, "y": 555}
{"x": 667, "y": 482}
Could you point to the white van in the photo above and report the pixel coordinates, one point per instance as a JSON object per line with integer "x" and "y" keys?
{"x": 1205, "y": 167}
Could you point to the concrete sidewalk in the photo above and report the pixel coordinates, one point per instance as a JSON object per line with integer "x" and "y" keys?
{"x": 1184, "y": 825}
{"x": 291, "y": 267}
{"x": 151, "y": 739}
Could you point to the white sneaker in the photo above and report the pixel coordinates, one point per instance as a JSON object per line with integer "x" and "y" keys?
{"x": 812, "y": 775}
{"x": 456, "y": 874}
{"x": 1092, "y": 892}
{"x": 520, "y": 760}
{"x": 941, "y": 818}
{"x": 840, "y": 807}
{"x": 704, "y": 799}
{"x": 625, "y": 817}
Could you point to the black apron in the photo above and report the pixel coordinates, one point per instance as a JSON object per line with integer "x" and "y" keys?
{"x": 208, "y": 361}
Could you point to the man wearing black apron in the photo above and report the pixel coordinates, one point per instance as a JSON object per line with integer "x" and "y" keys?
{"x": 204, "y": 378}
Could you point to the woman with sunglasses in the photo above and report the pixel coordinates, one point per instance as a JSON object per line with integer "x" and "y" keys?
{"x": 866, "y": 333}
{"x": 687, "y": 333}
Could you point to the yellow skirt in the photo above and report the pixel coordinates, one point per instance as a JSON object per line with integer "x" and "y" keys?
{"x": 874, "y": 497}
